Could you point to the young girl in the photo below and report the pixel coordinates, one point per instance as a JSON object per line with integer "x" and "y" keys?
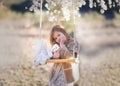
{"x": 61, "y": 74}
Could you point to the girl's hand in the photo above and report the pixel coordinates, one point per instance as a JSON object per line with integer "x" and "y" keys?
{"x": 62, "y": 41}
{"x": 56, "y": 55}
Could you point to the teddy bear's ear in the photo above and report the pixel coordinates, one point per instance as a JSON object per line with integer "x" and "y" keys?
{"x": 40, "y": 45}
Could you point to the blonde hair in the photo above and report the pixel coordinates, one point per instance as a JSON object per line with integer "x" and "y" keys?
{"x": 58, "y": 28}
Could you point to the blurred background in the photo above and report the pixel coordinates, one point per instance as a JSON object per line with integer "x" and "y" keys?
{"x": 98, "y": 35}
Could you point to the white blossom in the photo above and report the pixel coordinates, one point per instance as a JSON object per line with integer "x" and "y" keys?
{"x": 66, "y": 13}
{"x": 116, "y": 0}
{"x": 113, "y": 4}
{"x": 103, "y": 6}
{"x": 94, "y": 4}
{"x": 109, "y": 2}
{"x": 80, "y": 4}
{"x": 51, "y": 13}
{"x": 47, "y": 12}
{"x": 58, "y": 12}
{"x": 55, "y": 11}
{"x": 26, "y": 7}
{"x": 102, "y": 11}
{"x": 91, "y": 3}
{"x": 66, "y": 2}
{"x": 46, "y": 5}
{"x": 51, "y": 19}
{"x": 84, "y": 3}
{"x": 110, "y": 6}
{"x": 53, "y": 3}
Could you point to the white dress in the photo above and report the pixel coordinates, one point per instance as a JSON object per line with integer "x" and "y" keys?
{"x": 59, "y": 79}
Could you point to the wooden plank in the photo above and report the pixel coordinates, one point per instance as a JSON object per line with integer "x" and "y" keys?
{"x": 61, "y": 60}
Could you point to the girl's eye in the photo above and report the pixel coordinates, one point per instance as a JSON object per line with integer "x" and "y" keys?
{"x": 56, "y": 38}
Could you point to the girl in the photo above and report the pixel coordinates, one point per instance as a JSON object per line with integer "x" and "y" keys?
{"x": 61, "y": 74}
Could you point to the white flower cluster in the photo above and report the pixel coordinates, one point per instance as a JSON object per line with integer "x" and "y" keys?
{"x": 53, "y": 10}
{"x": 62, "y": 9}
{"x": 81, "y": 3}
{"x": 111, "y": 4}
{"x": 66, "y": 13}
{"x": 91, "y": 3}
{"x": 36, "y": 4}
{"x": 103, "y": 6}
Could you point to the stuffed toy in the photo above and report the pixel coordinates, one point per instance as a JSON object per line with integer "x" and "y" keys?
{"x": 42, "y": 54}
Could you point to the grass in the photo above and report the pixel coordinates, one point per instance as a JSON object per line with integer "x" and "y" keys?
{"x": 8, "y": 14}
{"x": 117, "y": 16}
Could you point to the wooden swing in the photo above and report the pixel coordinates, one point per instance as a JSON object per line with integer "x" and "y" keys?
{"x": 71, "y": 59}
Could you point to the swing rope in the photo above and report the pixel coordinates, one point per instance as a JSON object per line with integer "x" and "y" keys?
{"x": 76, "y": 64}
{"x": 40, "y": 19}
{"x": 73, "y": 8}
{"x": 74, "y": 30}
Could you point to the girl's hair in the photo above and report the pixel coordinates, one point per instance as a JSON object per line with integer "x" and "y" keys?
{"x": 58, "y": 28}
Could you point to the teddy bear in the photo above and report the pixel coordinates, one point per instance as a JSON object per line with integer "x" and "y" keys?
{"x": 42, "y": 54}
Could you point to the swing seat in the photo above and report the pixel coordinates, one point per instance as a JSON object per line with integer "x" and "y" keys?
{"x": 71, "y": 59}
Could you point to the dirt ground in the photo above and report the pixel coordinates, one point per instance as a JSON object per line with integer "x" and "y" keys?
{"x": 99, "y": 55}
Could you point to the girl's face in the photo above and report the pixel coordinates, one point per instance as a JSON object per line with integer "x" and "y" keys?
{"x": 59, "y": 37}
